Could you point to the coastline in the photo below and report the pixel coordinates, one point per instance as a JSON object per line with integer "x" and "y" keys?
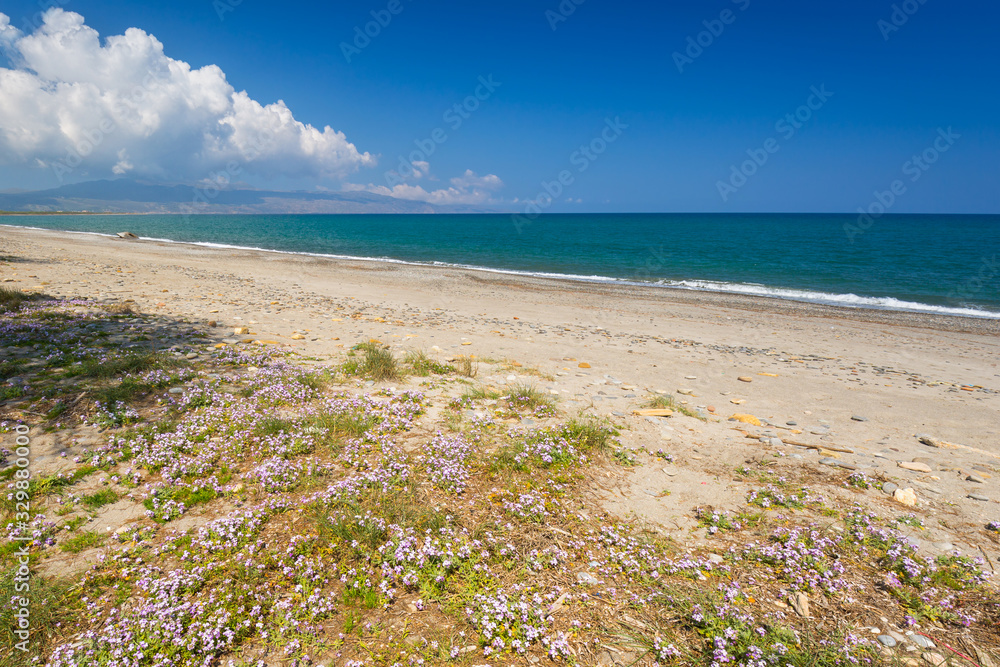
{"x": 611, "y": 288}
{"x": 650, "y": 334}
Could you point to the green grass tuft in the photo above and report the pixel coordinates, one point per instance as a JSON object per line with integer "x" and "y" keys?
{"x": 668, "y": 403}
{"x": 422, "y": 365}
{"x": 100, "y": 499}
{"x": 380, "y": 364}
{"x": 82, "y": 541}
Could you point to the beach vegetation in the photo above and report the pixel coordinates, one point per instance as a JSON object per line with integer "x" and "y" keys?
{"x": 421, "y": 364}
{"x": 99, "y": 499}
{"x": 376, "y": 362}
{"x": 81, "y": 541}
{"x": 666, "y": 402}
{"x": 293, "y": 519}
{"x": 13, "y": 299}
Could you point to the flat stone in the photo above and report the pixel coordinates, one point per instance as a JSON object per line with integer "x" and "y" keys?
{"x": 837, "y": 463}
{"x": 914, "y": 466}
{"x": 745, "y": 378}
{"x": 975, "y": 479}
{"x": 979, "y": 497}
{"x": 889, "y": 488}
{"x": 859, "y": 418}
{"x": 800, "y": 603}
{"x": 886, "y": 640}
{"x": 791, "y": 423}
{"x": 932, "y": 658}
{"x": 175, "y": 390}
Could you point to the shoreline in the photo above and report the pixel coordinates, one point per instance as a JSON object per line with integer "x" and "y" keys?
{"x": 987, "y": 323}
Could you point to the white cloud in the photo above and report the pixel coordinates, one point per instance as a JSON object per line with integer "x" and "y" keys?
{"x": 74, "y": 105}
{"x": 465, "y": 189}
{"x": 421, "y": 168}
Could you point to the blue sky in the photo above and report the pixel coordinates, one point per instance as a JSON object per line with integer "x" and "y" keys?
{"x": 678, "y": 136}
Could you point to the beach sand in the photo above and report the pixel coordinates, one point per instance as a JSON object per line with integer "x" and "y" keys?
{"x": 835, "y": 379}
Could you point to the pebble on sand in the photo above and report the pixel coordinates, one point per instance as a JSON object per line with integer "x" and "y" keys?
{"x": 745, "y": 378}
{"x": 906, "y": 497}
{"x": 914, "y": 466}
{"x": 746, "y": 419}
{"x": 583, "y": 364}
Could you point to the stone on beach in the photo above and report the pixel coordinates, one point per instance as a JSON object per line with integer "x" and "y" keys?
{"x": 906, "y": 497}
{"x": 914, "y": 466}
{"x": 746, "y": 419}
{"x": 745, "y": 378}
{"x": 800, "y": 603}
{"x": 126, "y": 235}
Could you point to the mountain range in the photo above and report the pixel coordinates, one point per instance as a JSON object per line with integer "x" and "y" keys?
{"x": 132, "y": 196}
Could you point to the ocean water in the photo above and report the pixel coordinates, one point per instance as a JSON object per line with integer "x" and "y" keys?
{"x": 925, "y": 263}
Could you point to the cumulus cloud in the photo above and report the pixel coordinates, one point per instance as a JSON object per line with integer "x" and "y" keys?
{"x": 465, "y": 189}
{"x": 77, "y": 106}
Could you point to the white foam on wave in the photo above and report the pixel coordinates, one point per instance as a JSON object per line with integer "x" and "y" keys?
{"x": 827, "y": 298}
{"x": 749, "y": 289}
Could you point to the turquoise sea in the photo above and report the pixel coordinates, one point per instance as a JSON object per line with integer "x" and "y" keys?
{"x": 927, "y": 263}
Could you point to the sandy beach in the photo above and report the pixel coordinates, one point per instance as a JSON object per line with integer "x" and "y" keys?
{"x": 823, "y": 391}
{"x": 904, "y": 372}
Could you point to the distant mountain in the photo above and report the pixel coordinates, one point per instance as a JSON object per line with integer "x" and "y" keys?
{"x": 130, "y": 196}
